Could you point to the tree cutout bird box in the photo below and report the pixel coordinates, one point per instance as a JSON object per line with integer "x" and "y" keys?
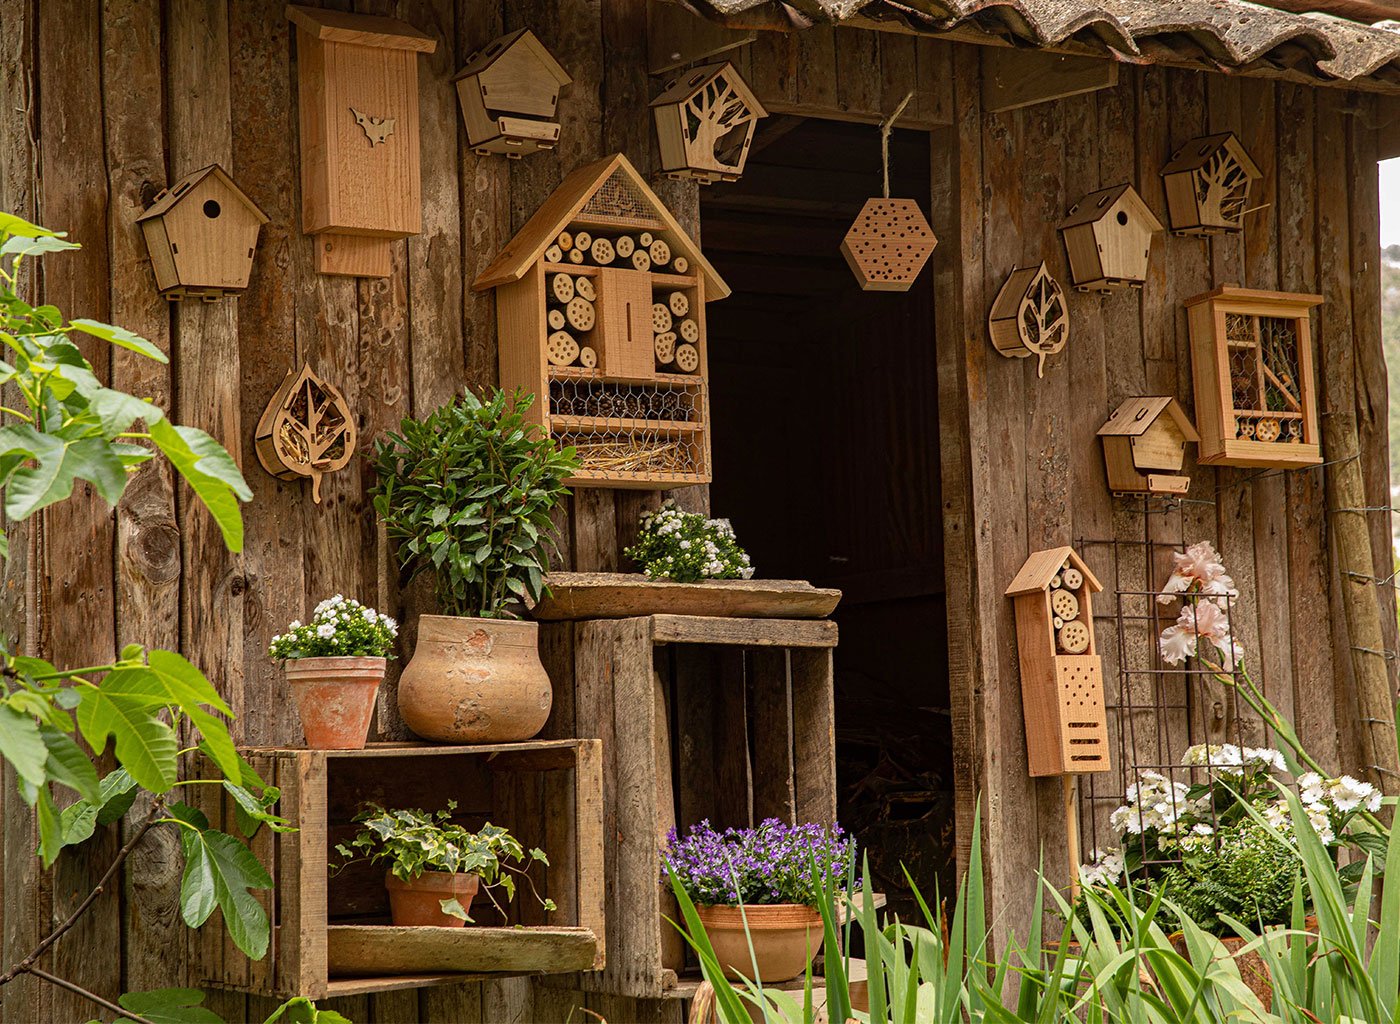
{"x": 1251, "y": 360}
{"x": 888, "y": 244}
{"x": 600, "y": 313}
{"x": 307, "y": 430}
{"x": 1144, "y": 446}
{"x": 705, "y": 119}
{"x": 1030, "y": 316}
{"x": 357, "y": 89}
{"x": 1108, "y": 235}
{"x": 1207, "y": 183}
{"x": 509, "y": 93}
{"x": 1061, "y": 675}
{"x": 201, "y": 233}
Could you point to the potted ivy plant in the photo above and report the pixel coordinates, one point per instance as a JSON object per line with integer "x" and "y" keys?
{"x": 466, "y": 493}
{"x": 437, "y": 867}
{"x": 756, "y": 890}
{"x": 334, "y": 665}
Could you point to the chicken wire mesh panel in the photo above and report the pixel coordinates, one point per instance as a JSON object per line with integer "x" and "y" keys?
{"x": 619, "y": 199}
{"x": 642, "y": 427}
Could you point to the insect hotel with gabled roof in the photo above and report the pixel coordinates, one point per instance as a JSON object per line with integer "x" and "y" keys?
{"x": 705, "y": 119}
{"x": 201, "y": 233}
{"x": 1061, "y": 674}
{"x": 1252, "y": 362}
{"x": 509, "y": 92}
{"x": 600, "y": 309}
{"x": 1108, "y": 235}
{"x": 1207, "y": 183}
{"x": 1144, "y": 446}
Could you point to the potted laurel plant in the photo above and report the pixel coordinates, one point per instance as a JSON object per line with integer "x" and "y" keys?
{"x": 761, "y": 886}
{"x": 334, "y": 665}
{"x": 466, "y": 493}
{"x": 437, "y": 867}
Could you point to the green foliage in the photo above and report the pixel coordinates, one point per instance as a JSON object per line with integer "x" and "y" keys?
{"x": 186, "y": 1006}
{"x": 71, "y": 427}
{"x": 414, "y": 841}
{"x": 688, "y": 546}
{"x": 339, "y": 627}
{"x": 466, "y": 493}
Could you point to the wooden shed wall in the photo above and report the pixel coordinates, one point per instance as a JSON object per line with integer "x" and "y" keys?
{"x": 116, "y": 100}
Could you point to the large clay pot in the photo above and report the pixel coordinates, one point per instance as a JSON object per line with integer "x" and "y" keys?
{"x": 475, "y": 681}
{"x": 785, "y": 938}
{"x": 1254, "y": 972}
{"x": 335, "y": 699}
{"x": 419, "y": 902}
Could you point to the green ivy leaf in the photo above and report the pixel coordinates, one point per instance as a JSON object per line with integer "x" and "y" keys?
{"x": 169, "y": 1006}
{"x": 220, "y": 871}
{"x": 453, "y": 908}
{"x": 121, "y": 337}
{"x": 212, "y": 473}
{"x": 146, "y": 746}
{"x": 23, "y": 747}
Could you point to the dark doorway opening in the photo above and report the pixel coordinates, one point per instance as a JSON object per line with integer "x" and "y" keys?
{"x": 826, "y": 458}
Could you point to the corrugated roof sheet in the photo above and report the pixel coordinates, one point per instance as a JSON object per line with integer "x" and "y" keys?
{"x": 1218, "y": 34}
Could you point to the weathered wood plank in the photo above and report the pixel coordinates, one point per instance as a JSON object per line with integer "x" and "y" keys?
{"x": 379, "y": 949}
{"x": 586, "y": 595}
{"x": 699, "y": 629}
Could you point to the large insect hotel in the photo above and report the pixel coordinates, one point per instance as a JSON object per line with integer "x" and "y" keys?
{"x": 547, "y": 426}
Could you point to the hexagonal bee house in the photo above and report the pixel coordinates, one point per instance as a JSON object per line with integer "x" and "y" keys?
{"x": 888, "y": 244}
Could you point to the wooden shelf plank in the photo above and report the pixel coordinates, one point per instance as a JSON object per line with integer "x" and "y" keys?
{"x": 386, "y": 950}
{"x": 706, "y": 629}
{"x": 607, "y": 595}
{"x": 693, "y": 380}
{"x": 626, "y": 424}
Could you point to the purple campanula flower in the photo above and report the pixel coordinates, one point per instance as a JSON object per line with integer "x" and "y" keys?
{"x": 772, "y": 863}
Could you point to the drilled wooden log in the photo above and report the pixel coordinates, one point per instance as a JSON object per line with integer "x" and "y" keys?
{"x": 680, "y": 264}
{"x": 625, "y": 245}
{"x": 660, "y": 252}
{"x": 641, "y": 260}
{"x": 660, "y": 318}
{"x": 561, "y": 348}
{"x": 689, "y": 330}
{"x": 556, "y": 319}
{"x": 553, "y": 254}
{"x": 687, "y": 358}
{"x": 561, "y": 288}
{"x": 581, "y": 313}
{"x": 587, "y": 357}
{"x": 565, "y": 240}
{"x": 665, "y": 345}
{"x": 575, "y": 255}
{"x": 602, "y": 252}
{"x": 679, "y": 303}
{"x": 584, "y": 286}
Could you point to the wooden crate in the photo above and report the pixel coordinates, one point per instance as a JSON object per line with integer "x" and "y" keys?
{"x": 330, "y": 932}
{"x": 729, "y": 719}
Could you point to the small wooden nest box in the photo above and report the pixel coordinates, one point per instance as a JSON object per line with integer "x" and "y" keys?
{"x": 705, "y": 119}
{"x": 357, "y": 90}
{"x": 1061, "y": 675}
{"x": 509, "y": 92}
{"x": 1144, "y": 446}
{"x": 1251, "y": 361}
{"x": 1030, "y": 316}
{"x": 201, "y": 233}
{"x": 888, "y": 244}
{"x": 1208, "y": 182}
{"x": 1108, "y": 235}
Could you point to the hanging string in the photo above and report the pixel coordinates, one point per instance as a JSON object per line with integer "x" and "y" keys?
{"x": 887, "y": 126}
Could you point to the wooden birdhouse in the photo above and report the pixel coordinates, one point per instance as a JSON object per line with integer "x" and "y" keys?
{"x": 888, "y": 244}
{"x": 357, "y": 89}
{"x": 1108, "y": 235}
{"x": 1208, "y": 182}
{"x": 201, "y": 234}
{"x": 1144, "y": 446}
{"x": 1061, "y": 675}
{"x": 509, "y": 92}
{"x": 1030, "y": 316}
{"x": 1251, "y": 360}
{"x": 705, "y": 119}
{"x": 600, "y": 310}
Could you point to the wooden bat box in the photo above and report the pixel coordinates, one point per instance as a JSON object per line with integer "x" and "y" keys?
{"x": 1108, "y": 235}
{"x": 600, "y": 312}
{"x": 357, "y": 90}
{"x": 888, "y": 244}
{"x": 1252, "y": 363}
{"x": 1061, "y": 675}
{"x": 705, "y": 119}
{"x": 201, "y": 233}
{"x": 1207, "y": 183}
{"x": 1144, "y": 446}
{"x": 509, "y": 92}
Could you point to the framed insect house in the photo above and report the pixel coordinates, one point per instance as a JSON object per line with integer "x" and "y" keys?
{"x": 888, "y": 245}
{"x": 1030, "y": 316}
{"x": 1108, "y": 236}
{"x": 201, "y": 234}
{"x": 1061, "y": 674}
{"x": 600, "y": 308}
{"x": 1144, "y": 446}
{"x": 509, "y": 93}
{"x": 1207, "y": 183}
{"x": 307, "y": 430}
{"x": 1252, "y": 363}
{"x": 705, "y": 120}
{"x": 357, "y": 91}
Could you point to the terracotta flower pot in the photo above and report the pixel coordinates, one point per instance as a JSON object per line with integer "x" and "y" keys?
{"x": 1254, "y": 972}
{"x": 335, "y": 699}
{"x": 785, "y": 938}
{"x": 419, "y": 902}
{"x": 475, "y": 681}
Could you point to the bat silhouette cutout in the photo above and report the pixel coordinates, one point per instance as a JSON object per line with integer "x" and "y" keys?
{"x": 377, "y": 129}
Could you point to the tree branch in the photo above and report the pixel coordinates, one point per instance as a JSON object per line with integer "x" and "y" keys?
{"x": 53, "y": 979}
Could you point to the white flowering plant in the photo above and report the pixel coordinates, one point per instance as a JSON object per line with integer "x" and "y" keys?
{"x": 340, "y": 627}
{"x": 687, "y": 546}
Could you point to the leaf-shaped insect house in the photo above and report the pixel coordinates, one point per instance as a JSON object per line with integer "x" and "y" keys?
{"x": 1030, "y": 316}
{"x": 306, "y": 430}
